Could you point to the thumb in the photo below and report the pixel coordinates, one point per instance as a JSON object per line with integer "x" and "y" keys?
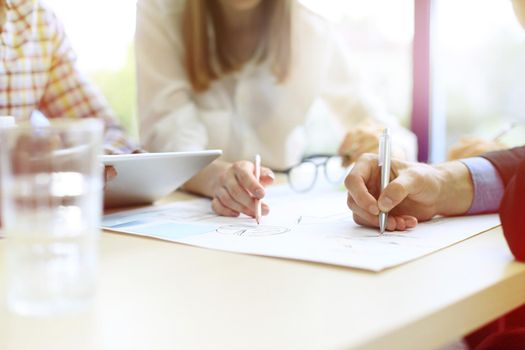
{"x": 396, "y": 191}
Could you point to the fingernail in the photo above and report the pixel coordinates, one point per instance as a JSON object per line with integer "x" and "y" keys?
{"x": 373, "y": 209}
{"x": 386, "y": 203}
{"x": 411, "y": 223}
{"x": 259, "y": 193}
{"x": 391, "y": 224}
{"x": 270, "y": 175}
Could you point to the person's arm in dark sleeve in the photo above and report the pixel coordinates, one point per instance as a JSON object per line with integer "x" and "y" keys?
{"x": 506, "y": 162}
{"x": 512, "y": 212}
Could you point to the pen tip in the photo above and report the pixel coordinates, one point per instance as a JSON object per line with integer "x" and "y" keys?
{"x": 382, "y": 224}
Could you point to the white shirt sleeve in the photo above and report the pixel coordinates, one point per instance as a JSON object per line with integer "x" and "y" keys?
{"x": 169, "y": 120}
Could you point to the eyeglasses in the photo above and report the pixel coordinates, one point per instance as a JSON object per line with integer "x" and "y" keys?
{"x": 303, "y": 176}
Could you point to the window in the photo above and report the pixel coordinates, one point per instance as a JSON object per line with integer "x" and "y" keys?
{"x": 379, "y": 35}
{"x": 101, "y": 32}
{"x": 478, "y": 74}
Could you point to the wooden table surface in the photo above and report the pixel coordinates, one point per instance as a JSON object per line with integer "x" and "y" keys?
{"x": 160, "y": 295}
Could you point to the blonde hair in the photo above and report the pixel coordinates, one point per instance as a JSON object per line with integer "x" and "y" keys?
{"x": 274, "y": 43}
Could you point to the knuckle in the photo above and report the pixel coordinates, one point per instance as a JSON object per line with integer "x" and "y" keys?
{"x": 223, "y": 177}
{"x": 224, "y": 197}
{"x": 358, "y": 220}
{"x": 241, "y": 165}
{"x": 216, "y": 206}
{"x": 350, "y": 180}
{"x": 235, "y": 191}
{"x": 396, "y": 188}
{"x": 237, "y": 167}
{"x": 414, "y": 174}
{"x": 242, "y": 174}
{"x": 352, "y": 205}
{"x": 360, "y": 199}
{"x": 349, "y": 200}
{"x": 368, "y": 157}
{"x": 248, "y": 211}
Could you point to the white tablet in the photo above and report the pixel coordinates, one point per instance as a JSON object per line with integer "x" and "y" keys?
{"x": 145, "y": 177}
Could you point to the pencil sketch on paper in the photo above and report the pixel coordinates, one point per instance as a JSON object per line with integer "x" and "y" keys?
{"x": 251, "y": 230}
{"x": 315, "y": 226}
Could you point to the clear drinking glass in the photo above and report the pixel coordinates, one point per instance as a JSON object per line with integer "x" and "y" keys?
{"x": 51, "y": 185}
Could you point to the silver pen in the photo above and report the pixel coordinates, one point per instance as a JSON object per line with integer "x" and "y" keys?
{"x": 505, "y": 130}
{"x": 384, "y": 164}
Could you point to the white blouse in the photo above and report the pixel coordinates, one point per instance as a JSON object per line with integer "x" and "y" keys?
{"x": 248, "y": 112}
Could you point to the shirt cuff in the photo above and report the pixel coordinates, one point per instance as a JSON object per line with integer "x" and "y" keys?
{"x": 488, "y": 186}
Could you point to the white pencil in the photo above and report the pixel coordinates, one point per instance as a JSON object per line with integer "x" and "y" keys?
{"x": 258, "y": 177}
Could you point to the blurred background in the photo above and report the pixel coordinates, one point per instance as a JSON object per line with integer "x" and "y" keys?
{"x": 101, "y": 32}
{"x": 477, "y": 55}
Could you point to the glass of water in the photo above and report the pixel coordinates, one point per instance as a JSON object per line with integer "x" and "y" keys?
{"x": 51, "y": 187}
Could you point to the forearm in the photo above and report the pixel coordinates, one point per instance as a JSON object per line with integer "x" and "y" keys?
{"x": 206, "y": 181}
{"x": 456, "y": 189}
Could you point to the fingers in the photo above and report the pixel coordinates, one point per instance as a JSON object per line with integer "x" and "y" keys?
{"x": 367, "y": 146}
{"x": 394, "y": 223}
{"x": 356, "y": 181}
{"x": 365, "y": 218}
{"x": 347, "y": 160}
{"x": 265, "y": 209}
{"x": 267, "y": 176}
{"x": 245, "y": 204}
{"x": 399, "y": 189}
{"x": 473, "y": 146}
{"x": 109, "y": 173}
{"x": 361, "y": 139}
{"x": 244, "y": 173}
{"x": 239, "y": 190}
{"x": 223, "y": 204}
{"x": 346, "y": 146}
{"x": 409, "y": 221}
{"x": 360, "y": 184}
{"x": 220, "y": 209}
{"x": 356, "y": 136}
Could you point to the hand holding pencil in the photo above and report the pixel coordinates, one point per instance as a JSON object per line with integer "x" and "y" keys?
{"x": 240, "y": 189}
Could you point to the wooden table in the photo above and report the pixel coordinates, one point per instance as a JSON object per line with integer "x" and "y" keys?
{"x": 159, "y": 295}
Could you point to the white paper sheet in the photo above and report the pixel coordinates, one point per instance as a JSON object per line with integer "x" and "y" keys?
{"x": 315, "y": 226}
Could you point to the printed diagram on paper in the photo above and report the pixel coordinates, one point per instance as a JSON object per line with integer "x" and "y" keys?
{"x": 315, "y": 226}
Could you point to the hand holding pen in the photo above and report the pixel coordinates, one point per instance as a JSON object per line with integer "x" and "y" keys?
{"x": 416, "y": 192}
{"x": 237, "y": 190}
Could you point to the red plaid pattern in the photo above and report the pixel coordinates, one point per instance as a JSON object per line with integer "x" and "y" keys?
{"x": 38, "y": 71}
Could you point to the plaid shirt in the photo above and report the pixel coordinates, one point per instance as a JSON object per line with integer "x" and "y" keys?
{"x": 38, "y": 72}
